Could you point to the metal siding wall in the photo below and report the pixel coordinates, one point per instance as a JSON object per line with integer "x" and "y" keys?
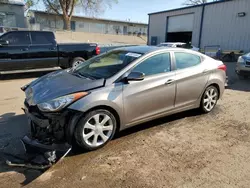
{"x": 17, "y": 11}
{"x": 186, "y": 19}
{"x": 223, "y": 27}
{"x": 158, "y": 26}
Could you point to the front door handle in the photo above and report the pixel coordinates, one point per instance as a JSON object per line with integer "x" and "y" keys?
{"x": 25, "y": 49}
{"x": 169, "y": 82}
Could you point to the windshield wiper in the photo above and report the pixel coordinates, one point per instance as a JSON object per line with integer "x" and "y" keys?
{"x": 84, "y": 75}
{"x": 79, "y": 75}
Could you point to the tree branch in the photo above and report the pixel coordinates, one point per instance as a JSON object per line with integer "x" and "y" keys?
{"x": 52, "y": 7}
{"x": 72, "y": 8}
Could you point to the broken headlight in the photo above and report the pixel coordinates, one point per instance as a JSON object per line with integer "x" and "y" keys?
{"x": 61, "y": 102}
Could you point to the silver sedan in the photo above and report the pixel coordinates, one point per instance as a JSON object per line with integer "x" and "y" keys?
{"x": 120, "y": 89}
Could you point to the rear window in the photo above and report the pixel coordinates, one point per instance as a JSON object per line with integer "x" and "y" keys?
{"x": 42, "y": 38}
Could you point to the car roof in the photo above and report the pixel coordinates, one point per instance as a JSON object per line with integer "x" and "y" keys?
{"x": 14, "y": 31}
{"x": 173, "y": 43}
{"x": 139, "y": 49}
{"x": 148, "y": 49}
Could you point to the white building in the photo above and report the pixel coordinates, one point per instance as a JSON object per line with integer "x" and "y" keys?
{"x": 48, "y": 21}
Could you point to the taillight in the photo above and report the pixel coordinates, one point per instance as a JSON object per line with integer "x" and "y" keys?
{"x": 97, "y": 50}
{"x": 222, "y": 67}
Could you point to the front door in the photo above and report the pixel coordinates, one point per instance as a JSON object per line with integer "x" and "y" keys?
{"x": 73, "y": 25}
{"x": 125, "y": 30}
{"x": 191, "y": 78}
{"x": 14, "y": 56}
{"x": 152, "y": 96}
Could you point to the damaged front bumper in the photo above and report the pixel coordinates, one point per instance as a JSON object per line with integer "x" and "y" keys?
{"x": 51, "y": 128}
{"x": 50, "y": 140}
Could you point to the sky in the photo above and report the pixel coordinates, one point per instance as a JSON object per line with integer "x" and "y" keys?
{"x": 133, "y": 10}
{"x": 137, "y": 10}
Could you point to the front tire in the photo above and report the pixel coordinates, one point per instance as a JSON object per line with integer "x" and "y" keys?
{"x": 95, "y": 129}
{"x": 209, "y": 99}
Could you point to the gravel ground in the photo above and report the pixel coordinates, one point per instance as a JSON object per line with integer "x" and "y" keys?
{"x": 183, "y": 150}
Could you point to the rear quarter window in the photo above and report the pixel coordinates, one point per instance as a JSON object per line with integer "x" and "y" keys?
{"x": 185, "y": 60}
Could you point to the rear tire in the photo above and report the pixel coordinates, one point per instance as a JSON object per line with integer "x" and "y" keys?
{"x": 76, "y": 61}
{"x": 209, "y": 99}
{"x": 95, "y": 129}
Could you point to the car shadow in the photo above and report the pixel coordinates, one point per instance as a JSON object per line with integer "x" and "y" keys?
{"x": 145, "y": 126}
{"x": 234, "y": 83}
{"x": 13, "y": 127}
{"x": 158, "y": 122}
{"x": 23, "y": 75}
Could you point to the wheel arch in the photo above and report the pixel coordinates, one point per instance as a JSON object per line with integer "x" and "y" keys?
{"x": 110, "y": 109}
{"x": 217, "y": 87}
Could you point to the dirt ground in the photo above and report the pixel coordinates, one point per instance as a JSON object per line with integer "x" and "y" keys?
{"x": 184, "y": 150}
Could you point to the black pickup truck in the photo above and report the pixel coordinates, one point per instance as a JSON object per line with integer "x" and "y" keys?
{"x": 22, "y": 50}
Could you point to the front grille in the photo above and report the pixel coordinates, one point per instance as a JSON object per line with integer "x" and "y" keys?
{"x": 248, "y": 63}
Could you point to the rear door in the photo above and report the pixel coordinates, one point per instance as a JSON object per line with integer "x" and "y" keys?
{"x": 191, "y": 78}
{"x": 43, "y": 51}
{"x": 14, "y": 56}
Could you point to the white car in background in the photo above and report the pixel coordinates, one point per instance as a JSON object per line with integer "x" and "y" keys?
{"x": 179, "y": 45}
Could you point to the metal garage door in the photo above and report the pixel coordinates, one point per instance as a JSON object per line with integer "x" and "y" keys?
{"x": 181, "y": 23}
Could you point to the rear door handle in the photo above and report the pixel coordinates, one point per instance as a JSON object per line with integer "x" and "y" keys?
{"x": 25, "y": 49}
{"x": 169, "y": 82}
{"x": 53, "y": 48}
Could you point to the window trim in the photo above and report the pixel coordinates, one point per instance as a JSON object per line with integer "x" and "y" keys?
{"x": 9, "y": 33}
{"x": 33, "y": 44}
{"x": 144, "y": 59}
{"x": 174, "y": 60}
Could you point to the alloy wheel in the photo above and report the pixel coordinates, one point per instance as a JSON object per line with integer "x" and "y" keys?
{"x": 210, "y": 99}
{"x": 97, "y": 130}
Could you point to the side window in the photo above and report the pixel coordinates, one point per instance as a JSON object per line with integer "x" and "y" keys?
{"x": 42, "y": 38}
{"x": 155, "y": 65}
{"x": 185, "y": 60}
{"x": 17, "y": 38}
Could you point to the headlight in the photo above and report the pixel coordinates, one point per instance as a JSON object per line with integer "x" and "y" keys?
{"x": 241, "y": 60}
{"x": 59, "y": 103}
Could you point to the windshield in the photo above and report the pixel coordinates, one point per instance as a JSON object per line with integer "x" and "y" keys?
{"x": 106, "y": 65}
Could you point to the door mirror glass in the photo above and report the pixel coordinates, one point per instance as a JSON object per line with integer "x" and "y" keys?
{"x": 135, "y": 76}
{"x": 4, "y": 42}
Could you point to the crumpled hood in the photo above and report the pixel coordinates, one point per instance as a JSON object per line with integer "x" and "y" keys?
{"x": 57, "y": 84}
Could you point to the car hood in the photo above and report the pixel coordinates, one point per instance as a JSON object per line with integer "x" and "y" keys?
{"x": 246, "y": 57}
{"x": 57, "y": 84}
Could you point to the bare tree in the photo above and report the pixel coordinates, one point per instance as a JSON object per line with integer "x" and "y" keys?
{"x": 196, "y": 2}
{"x": 65, "y": 8}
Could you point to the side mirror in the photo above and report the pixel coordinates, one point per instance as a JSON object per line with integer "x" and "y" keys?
{"x": 135, "y": 76}
{"x": 4, "y": 42}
